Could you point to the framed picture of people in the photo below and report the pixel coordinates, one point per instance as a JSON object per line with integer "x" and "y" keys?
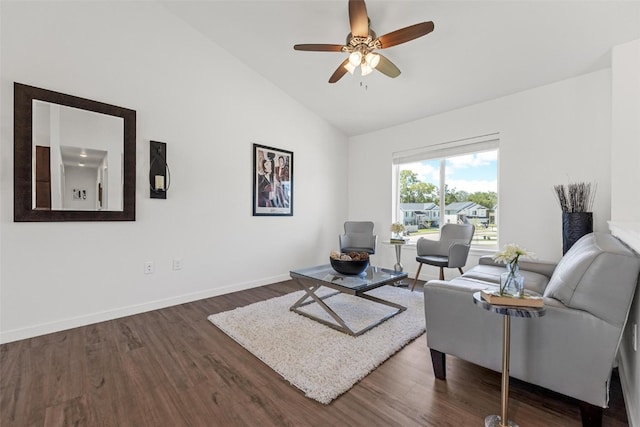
{"x": 272, "y": 181}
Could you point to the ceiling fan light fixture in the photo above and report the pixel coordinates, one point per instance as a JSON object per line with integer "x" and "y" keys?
{"x": 372, "y": 59}
{"x": 355, "y": 58}
{"x": 366, "y": 69}
{"x": 362, "y": 41}
{"x": 349, "y": 67}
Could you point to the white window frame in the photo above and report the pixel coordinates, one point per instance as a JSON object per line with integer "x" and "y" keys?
{"x": 441, "y": 151}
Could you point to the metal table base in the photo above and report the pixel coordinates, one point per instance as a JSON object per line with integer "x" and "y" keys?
{"x": 310, "y": 287}
{"x": 503, "y": 420}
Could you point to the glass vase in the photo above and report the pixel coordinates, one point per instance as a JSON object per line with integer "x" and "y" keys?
{"x": 512, "y": 282}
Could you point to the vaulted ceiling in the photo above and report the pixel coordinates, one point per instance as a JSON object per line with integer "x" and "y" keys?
{"x": 479, "y": 50}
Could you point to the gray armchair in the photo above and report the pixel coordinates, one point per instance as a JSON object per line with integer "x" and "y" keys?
{"x": 450, "y": 251}
{"x": 358, "y": 237}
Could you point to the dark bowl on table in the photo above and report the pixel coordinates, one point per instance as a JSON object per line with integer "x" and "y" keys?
{"x": 349, "y": 267}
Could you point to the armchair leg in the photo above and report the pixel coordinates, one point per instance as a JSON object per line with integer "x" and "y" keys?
{"x": 416, "y": 278}
{"x": 441, "y": 273}
{"x": 460, "y": 269}
{"x": 591, "y": 415}
{"x": 439, "y": 362}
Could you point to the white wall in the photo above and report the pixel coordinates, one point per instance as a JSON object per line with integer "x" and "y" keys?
{"x": 83, "y": 180}
{"x": 625, "y": 198}
{"x": 554, "y": 134}
{"x": 209, "y": 108}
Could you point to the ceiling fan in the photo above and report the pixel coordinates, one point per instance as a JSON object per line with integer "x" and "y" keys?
{"x": 362, "y": 41}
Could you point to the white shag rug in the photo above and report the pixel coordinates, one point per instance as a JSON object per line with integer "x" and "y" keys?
{"x": 320, "y": 361}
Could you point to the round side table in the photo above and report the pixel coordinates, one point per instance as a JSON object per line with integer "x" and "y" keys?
{"x": 507, "y": 312}
{"x": 398, "y": 268}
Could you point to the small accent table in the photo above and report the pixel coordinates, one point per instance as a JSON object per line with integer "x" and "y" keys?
{"x": 507, "y": 312}
{"x": 398, "y": 268}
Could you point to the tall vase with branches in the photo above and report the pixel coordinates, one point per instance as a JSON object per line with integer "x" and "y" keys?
{"x": 576, "y": 201}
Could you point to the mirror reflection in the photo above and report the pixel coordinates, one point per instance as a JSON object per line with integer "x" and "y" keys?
{"x": 74, "y": 158}
{"x": 78, "y": 159}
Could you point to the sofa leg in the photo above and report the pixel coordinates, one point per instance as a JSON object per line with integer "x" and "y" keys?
{"x": 460, "y": 269}
{"x": 591, "y": 415}
{"x": 439, "y": 362}
{"x": 441, "y": 273}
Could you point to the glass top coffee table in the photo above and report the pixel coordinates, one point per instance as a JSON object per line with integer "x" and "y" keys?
{"x": 313, "y": 278}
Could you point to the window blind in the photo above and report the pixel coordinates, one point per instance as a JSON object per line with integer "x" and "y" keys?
{"x": 448, "y": 149}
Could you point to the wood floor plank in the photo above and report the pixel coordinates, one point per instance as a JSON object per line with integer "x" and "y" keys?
{"x": 172, "y": 367}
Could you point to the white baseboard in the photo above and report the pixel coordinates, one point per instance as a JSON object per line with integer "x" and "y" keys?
{"x": 632, "y": 405}
{"x": 74, "y": 322}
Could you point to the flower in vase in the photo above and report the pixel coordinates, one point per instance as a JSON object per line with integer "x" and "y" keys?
{"x": 510, "y": 256}
{"x": 397, "y": 227}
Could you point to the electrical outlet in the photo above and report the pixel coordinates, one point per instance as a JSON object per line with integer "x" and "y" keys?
{"x": 177, "y": 264}
{"x": 635, "y": 337}
{"x": 148, "y": 267}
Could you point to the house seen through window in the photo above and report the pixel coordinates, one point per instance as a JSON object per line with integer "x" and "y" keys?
{"x": 454, "y": 184}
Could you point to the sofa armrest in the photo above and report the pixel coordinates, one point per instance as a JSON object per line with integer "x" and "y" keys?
{"x": 542, "y": 267}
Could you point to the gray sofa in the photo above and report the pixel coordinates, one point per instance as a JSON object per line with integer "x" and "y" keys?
{"x": 572, "y": 349}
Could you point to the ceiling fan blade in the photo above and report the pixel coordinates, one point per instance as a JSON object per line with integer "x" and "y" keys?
{"x": 339, "y": 72}
{"x": 405, "y": 34}
{"x": 358, "y": 18}
{"x": 319, "y": 47}
{"x": 387, "y": 67}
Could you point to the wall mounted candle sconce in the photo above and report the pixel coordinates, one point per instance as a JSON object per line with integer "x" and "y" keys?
{"x": 159, "y": 175}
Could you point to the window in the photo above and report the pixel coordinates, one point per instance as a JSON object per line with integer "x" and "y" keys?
{"x": 454, "y": 182}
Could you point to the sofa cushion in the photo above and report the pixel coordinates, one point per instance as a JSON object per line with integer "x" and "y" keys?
{"x": 583, "y": 277}
{"x": 491, "y": 273}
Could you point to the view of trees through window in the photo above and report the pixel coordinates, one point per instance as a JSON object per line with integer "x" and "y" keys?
{"x": 456, "y": 189}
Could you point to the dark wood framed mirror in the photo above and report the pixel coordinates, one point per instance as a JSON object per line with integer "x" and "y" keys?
{"x": 74, "y": 159}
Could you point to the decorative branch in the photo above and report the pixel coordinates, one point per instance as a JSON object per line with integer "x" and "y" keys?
{"x": 576, "y": 197}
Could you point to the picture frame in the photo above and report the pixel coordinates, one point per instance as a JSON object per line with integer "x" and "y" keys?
{"x": 272, "y": 181}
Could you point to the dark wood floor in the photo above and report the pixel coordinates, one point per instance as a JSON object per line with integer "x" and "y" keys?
{"x": 172, "y": 367}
